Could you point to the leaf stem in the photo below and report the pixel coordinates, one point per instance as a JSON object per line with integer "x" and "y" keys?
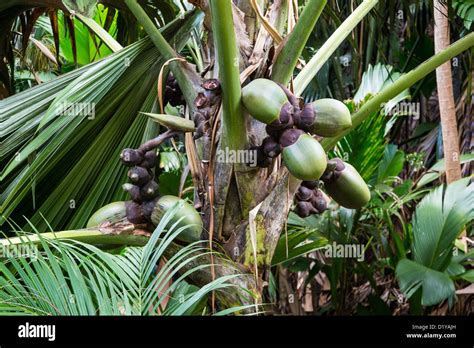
{"x": 234, "y": 135}
{"x": 85, "y": 236}
{"x": 183, "y": 75}
{"x": 314, "y": 65}
{"x": 405, "y": 81}
{"x": 296, "y": 41}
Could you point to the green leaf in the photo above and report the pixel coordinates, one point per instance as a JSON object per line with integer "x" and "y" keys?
{"x": 84, "y": 7}
{"x": 75, "y": 155}
{"x": 436, "y": 286}
{"x": 101, "y": 32}
{"x": 298, "y": 243}
{"x": 438, "y": 220}
{"x": 68, "y": 277}
{"x": 374, "y": 80}
{"x": 172, "y": 122}
{"x": 391, "y": 165}
{"x": 465, "y": 10}
{"x": 469, "y": 276}
{"x": 439, "y": 168}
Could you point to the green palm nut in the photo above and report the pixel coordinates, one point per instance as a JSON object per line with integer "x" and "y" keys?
{"x": 303, "y": 155}
{"x": 111, "y": 212}
{"x": 349, "y": 189}
{"x": 186, "y": 215}
{"x": 332, "y": 118}
{"x": 264, "y": 100}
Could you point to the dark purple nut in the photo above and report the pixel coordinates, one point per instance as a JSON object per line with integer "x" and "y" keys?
{"x": 131, "y": 157}
{"x": 304, "y": 209}
{"x": 201, "y": 129}
{"x": 149, "y": 160}
{"x": 285, "y": 120}
{"x": 307, "y": 117}
{"x": 134, "y": 213}
{"x": 150, "y": 156}
{"x": 139, "y": 176}
{"x": 133, "y": 191}
{"x": 336, "y": 175}
{"x": 304, "y": 194}
{"x": 171, "y": 80}
{"x": 263, "y": 160}
{"x": 339, "y": 164}
{"x": 148, "y": 207}
{"x": 291, "y": 97}
{"x": 177, "y": 99}
{"x": 201, "y": 101}
{"x": 297, "y": 117}
{"x": 271, "y": 147}
{"x": 274, "y": 132}
{"x": 212, "y": 85}
{"x": 328, "y": 176}
{"x": 212, "y": 97}
{"x": 310, "y": 184}
{"x": 290, "y": 136}
{"x": 317, "y": 193}
{"x": 149, "y": 191}
{"x": 319, "y": 203}
{"x": 286, "y": 114}
{"x": 199, "y": 118}
{"x": 169, "y": 92}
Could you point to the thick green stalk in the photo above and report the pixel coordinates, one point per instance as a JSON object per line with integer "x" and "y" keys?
{"x": 165, "y": 49}
{"x": 405, "y": 81}
{"x": 294, "y": 44}
{"x": 234, "y": 135}
{"x": 85, "y": 236}
{"x": 185, "y": 77}
{"x": 323, "y": 54}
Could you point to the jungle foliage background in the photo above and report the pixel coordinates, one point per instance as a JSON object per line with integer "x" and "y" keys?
{"x": 57, "y": 171}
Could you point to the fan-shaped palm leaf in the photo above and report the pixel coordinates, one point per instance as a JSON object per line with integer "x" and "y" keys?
{"x": 68, "y": 277}
{"x": 74, "y": 152}
{"x": 438, "y": 220}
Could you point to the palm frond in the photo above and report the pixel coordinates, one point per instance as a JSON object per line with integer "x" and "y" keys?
{"x": 439, "y": 219}
{"x": 76, "y": 153}
{"x": 68, "y": 277}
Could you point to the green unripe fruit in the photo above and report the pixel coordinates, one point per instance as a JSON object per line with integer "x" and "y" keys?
{"x": 188, "y": 215}
{"x": 305, "y": 158}
{"x": 264, "y": 100}
{"x": 349, "y": 189}
{"x": 111, "y": 212}
{"x": 332, "y": 117}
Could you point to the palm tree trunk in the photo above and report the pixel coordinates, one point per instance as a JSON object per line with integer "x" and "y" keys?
{"x": 445, "y": 95}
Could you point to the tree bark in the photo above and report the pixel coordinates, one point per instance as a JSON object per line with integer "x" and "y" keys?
{"x": 445, "y": 96}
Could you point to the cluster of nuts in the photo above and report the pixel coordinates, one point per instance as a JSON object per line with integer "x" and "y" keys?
{"x": 295, "y": 119}
{"x": 205, "y": 102}
{"x": 143, "y": 188}
{"x": 309, "y": 199}
{"x": 173, "y": 93}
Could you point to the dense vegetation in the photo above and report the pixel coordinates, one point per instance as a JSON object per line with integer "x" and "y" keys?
{"x": 251, "y": 156}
